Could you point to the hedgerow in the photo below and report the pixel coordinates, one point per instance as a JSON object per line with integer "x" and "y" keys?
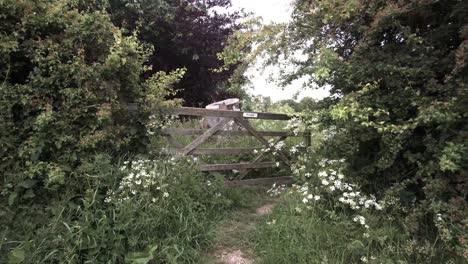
{"x": 397, "y": 110}
{"x": 67, "y": 76}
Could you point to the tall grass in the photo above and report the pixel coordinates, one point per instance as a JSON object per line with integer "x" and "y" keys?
{"x": 144, "y": 211}
{"x": 324, "y": 234}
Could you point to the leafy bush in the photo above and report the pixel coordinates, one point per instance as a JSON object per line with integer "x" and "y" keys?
{"x": 158, "y": 210}
{"x": 423, "y": 173}
{"x": 397, "y": 111}
{"x": 327, "y": 219}
{"x": 67, "y": 76}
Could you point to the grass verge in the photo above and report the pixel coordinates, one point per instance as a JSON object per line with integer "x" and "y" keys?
{"x": 321, "y": 234}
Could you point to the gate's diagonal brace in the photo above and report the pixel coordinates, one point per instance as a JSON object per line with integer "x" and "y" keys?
{"x": 190, "y": 147}
{"x": 257, "y": 159}
{"x": 254, "y": 132}
{"x": 175, "y": 143}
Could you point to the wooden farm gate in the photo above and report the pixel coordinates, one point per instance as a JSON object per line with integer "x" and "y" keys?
{"x": 226, "y": 117}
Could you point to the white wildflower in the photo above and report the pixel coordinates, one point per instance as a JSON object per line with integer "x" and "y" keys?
{"x": 322, "y": 174}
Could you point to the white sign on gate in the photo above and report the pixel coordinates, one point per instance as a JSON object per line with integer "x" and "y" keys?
{"x": 251, "y": 115}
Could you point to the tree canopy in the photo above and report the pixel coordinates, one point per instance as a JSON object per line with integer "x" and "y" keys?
{"x": 187, "y": 34}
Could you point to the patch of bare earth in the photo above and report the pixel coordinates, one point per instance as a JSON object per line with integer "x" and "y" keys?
{"x": 233, "y": 256}
{"x": 265, "y": 210}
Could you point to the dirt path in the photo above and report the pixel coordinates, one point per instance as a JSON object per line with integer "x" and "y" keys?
{"x": 233, "y": 243}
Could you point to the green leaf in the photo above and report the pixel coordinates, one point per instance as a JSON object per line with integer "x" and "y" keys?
{"x": 141, "y": 257}
{"x": 28, "y": 184}
{"x": 29, "y": 194}
{"x": 16, "y": 256}
{"x": 12, "y": 198}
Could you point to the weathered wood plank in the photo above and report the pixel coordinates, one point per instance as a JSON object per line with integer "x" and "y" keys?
{"x": 307, "y": 138}
{"x": 194, "y": 111}
{"x": 190, "y": 147}
{"x": 278, "y": 180}
{"x": 220, "y": 151}
{"x": 196, "y": 132}
{"x": 224, "y": 113}
{"x": 217, "y": 151}
{"x": 240, "y": 166}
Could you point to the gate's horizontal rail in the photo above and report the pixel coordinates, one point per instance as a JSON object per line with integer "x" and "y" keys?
{"x": 214, "y": 151}
{"x": 192, "y": 111}
{"x": 278, "y": 180}
{"x": 221, "y": 151}
{"x": 239, "y": 166}
{"x": 193, "y": 132}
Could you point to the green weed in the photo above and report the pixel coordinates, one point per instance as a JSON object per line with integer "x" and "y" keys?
{"x": 326, "y": 234}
